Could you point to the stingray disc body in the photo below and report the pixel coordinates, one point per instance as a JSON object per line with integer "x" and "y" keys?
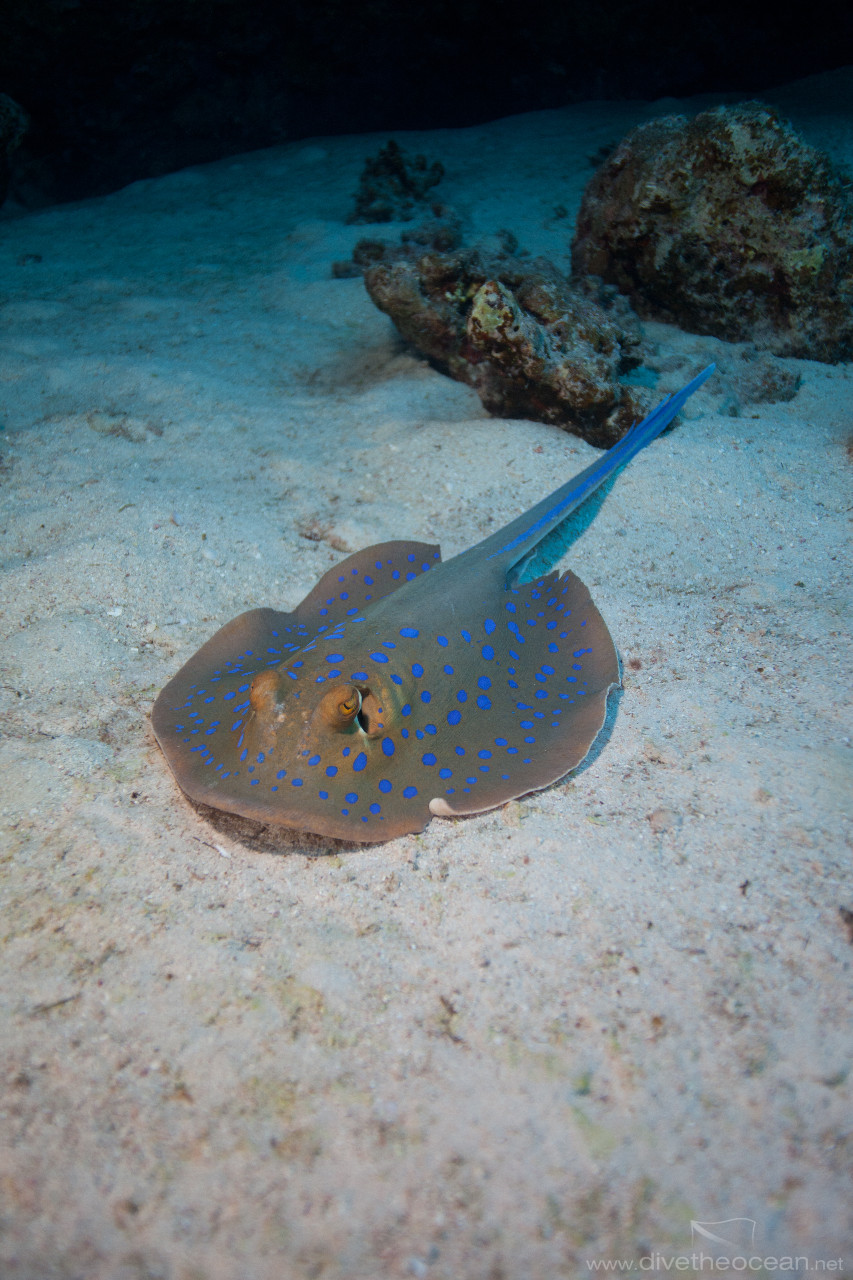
{"x": 468, "y": 697}
{"x": 404, "y": 687}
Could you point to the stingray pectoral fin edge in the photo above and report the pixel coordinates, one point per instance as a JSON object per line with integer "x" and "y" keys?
{"x": 595, "y": 714}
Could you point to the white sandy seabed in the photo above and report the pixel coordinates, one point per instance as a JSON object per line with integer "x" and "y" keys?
{"x": 520, "y": 1045}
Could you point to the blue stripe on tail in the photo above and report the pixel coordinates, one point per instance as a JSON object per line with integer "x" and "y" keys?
{"x": 641, "y": 434}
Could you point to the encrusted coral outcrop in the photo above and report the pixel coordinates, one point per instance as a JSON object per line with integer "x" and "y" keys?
{"x": 393, "y": 185}
{"x": 14, "y": 123}
{"x": 726, "y": 224}
{"x": 530, "y": 344}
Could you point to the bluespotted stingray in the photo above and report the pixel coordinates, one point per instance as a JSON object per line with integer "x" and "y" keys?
{"x": 403, "y": 687}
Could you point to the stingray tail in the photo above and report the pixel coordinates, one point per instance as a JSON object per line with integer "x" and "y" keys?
{"x": 519, "y": 538}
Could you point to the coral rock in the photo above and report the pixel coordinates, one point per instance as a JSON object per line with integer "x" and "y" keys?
{"x": 14, "y": 123}
{"x": 726, "y": 224}
{"x": 392, "y": 185}
{"x": 529, "y": 343}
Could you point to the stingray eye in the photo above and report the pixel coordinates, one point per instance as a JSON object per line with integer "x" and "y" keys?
{"x": 340, "y": 706}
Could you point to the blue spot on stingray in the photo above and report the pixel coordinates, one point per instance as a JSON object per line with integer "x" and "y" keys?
{"x": 445, "y": 773}
{"x": 389, "y": 644}
{"x": 411, "y": 632}
{"x": 466, "y": 636}
{"x": 487, "y": 652}
{"x": 331, "y": 770}
{"x": 462, "y": 696}
{"x": 379, "y": 657}
{"x": 419, "y": 733}
{"x": 417, "y": 669}
{"x": 527, "y": 724}
{"x": 429, "y": 758}
{"x": 484, "y": 755}
{"x": 314, "y": 760}
{"x": 426, "y": 696}
{"x": 296, "y": 782}
{"x": 351, "y": 797}
{"x": 226, "y": 696}
{"x": 509, "y": 606}
{"x": 324, "y": 795}
{"x": 375, "y": 808}
{"x": 488, "y": 626}
{"x": 460, "y": 751}
{"x": 483, "y": 682}
{"x": 281, "y": 773}
{"x": 384, "y": 785}
{"x": 430, "y": 729}
{"x": 408, "y": 792}
{"x": 483, "y": 702}
{"x": 410, "y": 576}
{"x": 395, "y": 574}
{"x": 404, "y": 733}
{"x": 388, "y": 746}
{"x": 541, "y": 693}
{"x": 576, "y": 666}
{"x": 513, "y": 684}
{"x": 448, "y": 670}
{"x": 549, "y": 671}
{"x": 243, "y": 755}
{"x": 345, "y": 751}
{"x": 253, "y": 782}
{"x": 442, "y": 640}
{"x": 260, "y": 757}
{"x": 529, "y": 739}
{"x": 344, "y": 594}
{"x": 553, "y": 648}
{"x": 410, "y": 557}
{"x": 359, "y": 762}
{"x": 397, "y": 679}
{"x": 406, "y": 710}
{"x": 453, "y": 717}
{"x": 358, "y": 675}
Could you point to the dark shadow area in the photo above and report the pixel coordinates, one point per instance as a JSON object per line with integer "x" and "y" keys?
{"x": 264, "y": 837}
{"x": 115, "y": 93}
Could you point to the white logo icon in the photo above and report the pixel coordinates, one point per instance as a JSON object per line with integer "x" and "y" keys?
{"x": 739, "y": 1232}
